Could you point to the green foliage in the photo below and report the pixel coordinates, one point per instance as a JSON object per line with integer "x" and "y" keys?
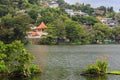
{"x": 57, "y": 29}
{"x": 87, "y": 9}
{"x": 87, "y": 20}
{"x": 14, "y": 28}
{"x": 75, "y": 32}
{"x": 99, "y": 68}
{"x": 113, "y": 72}
{"x": 34, "y": 69}
{"x": 100, "y": 32}
{"x": 116, "y": 33}
{"x": 48, "y": 15}
{"x": 33, "y": 13}
{"x": 117, "y": 17}
{"x": 3, "y": 68}
{"x": 102, "y": 65}
{"x": 93, "y": 69}
{"x": 20, "y": 71}
{"x": 17, "y": 15}
{"x": 48, "y": 40}
{"x": 14, "y": 58}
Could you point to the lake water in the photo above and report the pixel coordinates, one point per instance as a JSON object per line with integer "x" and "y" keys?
{"x": 66, "y": 62}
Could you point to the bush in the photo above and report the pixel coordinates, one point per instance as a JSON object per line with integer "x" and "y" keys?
{"x": 48, "y": 40}
{"x": 34, "y": 69}
{"x": 14, "y": 59}
{"x": 3, "y": 68}
{"x": 92, "y": 70}
{"x": 99, "y": 68}
{"x": 102, "y": 65}
{"x": 20, "y": 71}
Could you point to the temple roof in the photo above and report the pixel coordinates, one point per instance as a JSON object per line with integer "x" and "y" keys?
{"x": 33, "y": 33}
{"x": 42, "y": 26}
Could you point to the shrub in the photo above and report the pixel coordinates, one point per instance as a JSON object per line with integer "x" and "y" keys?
{"x": 3, "y": 68}
{"x": 14, "y": 59}
{"x": 34, "y": 69}
{"x": 92, "y": 70}
{"x": 99, "y": 68}
{"x": 48, "y": 40}
{"x": 102, "y": 65}
{"x": 20, "y": 71}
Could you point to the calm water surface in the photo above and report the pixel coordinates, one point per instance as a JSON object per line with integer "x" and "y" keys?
{"x": 65, "y": 62}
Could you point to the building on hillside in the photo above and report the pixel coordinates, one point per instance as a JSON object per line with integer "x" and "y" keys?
{"x": 36, "y": 32}
{"x": 70, "y": 12}
{"x": 99, "y": 12}
{"x": 21, "y": 12}
{"x": 108, "y": 21}
{"x": 43, "y": 3}
{"x": 73, "y": 13}
{"x": 53, "y": 4}
{"x": 80, "y": 13}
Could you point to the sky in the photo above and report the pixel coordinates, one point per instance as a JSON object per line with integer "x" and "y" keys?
{"x": 97, "y": 3}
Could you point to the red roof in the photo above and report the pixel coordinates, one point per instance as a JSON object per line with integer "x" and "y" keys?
{"x": 33, "y": 33}
{"x": 42, "y": 26}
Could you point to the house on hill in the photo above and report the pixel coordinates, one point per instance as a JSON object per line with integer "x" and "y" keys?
{"x": 35, "y": 33}
{"x": 73, "y": 13}
{"x": 53, "y": 4}
{"x": 108, "y": 21}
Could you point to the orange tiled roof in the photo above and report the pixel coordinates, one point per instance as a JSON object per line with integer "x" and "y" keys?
{"x": 42, "y": 26}
{"x": 33, "y": 33}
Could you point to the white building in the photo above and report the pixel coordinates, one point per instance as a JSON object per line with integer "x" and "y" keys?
{"x": 73, "y": 13}
{"x": 53, "y": 5}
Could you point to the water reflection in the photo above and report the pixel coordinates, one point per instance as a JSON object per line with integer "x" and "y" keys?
{"x": 97, "y": 78}
{"x": 56, "y": 73}
{"x": 32, "y": 78}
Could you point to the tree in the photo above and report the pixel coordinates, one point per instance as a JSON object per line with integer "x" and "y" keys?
{"x": 75, "y": 32}
{"x": 33, "y": 13}
{"x": 116, "y": 32}
{"x": 103, "y": 8}
{"x": 14, "y": 28}
{"x": 110, "y": 15}
{"x": 110, "y": 9}
{"x": 87, "y": 9}
{"x": 57, "y": 30}
{"x": 100, "y": 32}
{"x": 33, "y": 1}
{"x": 49, "y": 15}
{"x": 3, "y": 10}
{"x": 16, "y": 59}
{"x": 88, "y": 20}
{"x": 117, "y": 17}
{"x": 61, "y": 2}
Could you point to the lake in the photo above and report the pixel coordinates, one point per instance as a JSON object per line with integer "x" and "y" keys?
{"x": 66, "y": 62}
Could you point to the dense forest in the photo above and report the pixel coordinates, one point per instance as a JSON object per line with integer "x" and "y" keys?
{"x": 18, "y": 16}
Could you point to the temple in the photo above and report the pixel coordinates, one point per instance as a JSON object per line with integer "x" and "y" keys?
{"x": 36, "y": 32}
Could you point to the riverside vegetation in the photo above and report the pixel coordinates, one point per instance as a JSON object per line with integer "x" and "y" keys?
{"x": 99, "y": 69}
{"x": 15, "y": 61}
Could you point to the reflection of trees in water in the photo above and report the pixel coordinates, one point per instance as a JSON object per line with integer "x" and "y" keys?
{"x": 32, "y": 78}
{"x": 56, "y": 73}
{"x": 96, "y": 78}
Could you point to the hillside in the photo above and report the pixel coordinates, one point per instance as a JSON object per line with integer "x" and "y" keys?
{"x": 75, "y": 23}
